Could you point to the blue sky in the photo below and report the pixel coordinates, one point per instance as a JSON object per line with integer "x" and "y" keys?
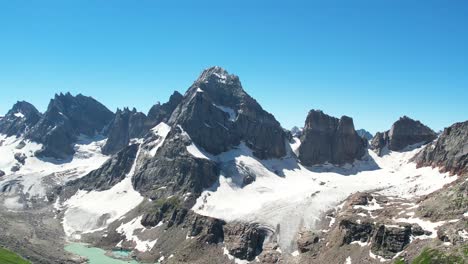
{"x": 373, "y": 60}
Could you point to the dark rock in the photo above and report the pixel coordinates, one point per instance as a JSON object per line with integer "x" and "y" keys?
{"x": 22, "y": 117}
{"x": 2, "y": 173}
{"x": 162, "y": 112}
{"x": 449, "y": 153}
{"x": 66, "y": 118}
{"x": 15, "y": 168}
{"x": 208, "y": 230}
{"x": 296, "y": 132}
{"x": 328, "y": 139}
{"x": 175, "y": 169}
{"x": 244, "y": 241}
{"x": 218, "y": 114}
{"x": 125, "y": 126}
{"x": 21, "y": 145}
{"x": 20, "y": 157}
{"x": 404, "y": 133}
{"x": 364, "y": 134}
{"x": 388, "y": 241}
{"x": 308, "y": 241}
{"x": 110, "y": 173}
{"x": 354, "y": 231}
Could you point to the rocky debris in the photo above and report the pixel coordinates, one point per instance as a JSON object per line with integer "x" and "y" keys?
{"x": 359, "y": 198}
{"x": 2, "y": 173}
{"x": 404, "y": 133}
{"x": 218, "y": 114}
{"x": 271, "y": 254}
{"x": 110, "y": 173}
{"x": 244, "y": 241}
{"x": 21, "y": 158}
{"x": 328, "y": 139}
{"x": 66, "y": 118}
{"x": 19, "y": 119}
{"x": 125, "y": 126}
{"x": 162, "y": 112}
{"x": 308, "y": 241}
{"x": 449, "y": 152}
{"x": 174, "y": 170}
{"x": 364, "y": 134}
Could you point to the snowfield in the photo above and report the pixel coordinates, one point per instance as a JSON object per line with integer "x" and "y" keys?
{"x": 38, "y": 174}
{"x": 288, "y": 197}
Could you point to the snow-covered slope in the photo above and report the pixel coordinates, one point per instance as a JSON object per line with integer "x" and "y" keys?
{"x": 288, "y": 197}
{"x": 37, "y": 176}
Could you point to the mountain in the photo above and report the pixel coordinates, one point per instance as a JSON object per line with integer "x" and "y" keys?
{"x": 404, "y": 133}
{"x": 19, "y": 119}
{"x": 329, "y": 139}
{"x": 211, "y": 177}
{"x": 364, "y": 134}
{"x": 68, "y": 117}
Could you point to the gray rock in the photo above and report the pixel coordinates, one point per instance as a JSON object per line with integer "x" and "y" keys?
{"x": 328, "y": 139}
{"x": 354, "y": 231}
{"x": 66, "y": 118}
{"x": 19, "y": 119}
{"x": 162, "y": 112}
{"x": 110, "y": 173}
{"x": 15, "y": 168}
{"x": 2, "y": 173}
{"x": 21, "y": 158}
{"x": 404, "y": 133}
{"x": 364, "y": 134}
{"x": 449, "y": 152}
{"x": 125, "y": 126}
{"x": 175, "y": 169}
{"x": 218, "y": 114}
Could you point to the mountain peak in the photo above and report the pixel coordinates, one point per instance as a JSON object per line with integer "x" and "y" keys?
{"x": 217, "y": 74}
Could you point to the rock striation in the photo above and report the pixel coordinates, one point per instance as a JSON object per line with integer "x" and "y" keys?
{"x": 329, "y": 139}
{"x": 404, "y": 133}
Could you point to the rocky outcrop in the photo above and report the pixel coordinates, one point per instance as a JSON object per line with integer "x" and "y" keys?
{"x": 218, "y": 114}
{"x": 329, "y": 139}
{"x": 244, "y": 241}
{"x": 308, "y": 241}
{"x": 162, "y": 112}
{"x": 175, "y": 170}
{"x": 110, "y": 173}
{"x": 364, "y": 134}
{"x": 449, "y": 153}
{"x": 2, "y": 173}
{"x": 125, "y": 126}
{"x": 66, "y": 118}
{"x": 19, "y": 119}
{"x": 404, "y": 133}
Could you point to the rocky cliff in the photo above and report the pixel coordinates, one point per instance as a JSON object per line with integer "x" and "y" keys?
{"x": 329, "y": 139}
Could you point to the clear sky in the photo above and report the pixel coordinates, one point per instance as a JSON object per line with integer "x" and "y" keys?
{"x": 373, "y": 60}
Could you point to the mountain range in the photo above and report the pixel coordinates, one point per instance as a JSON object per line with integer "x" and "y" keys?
{"x": 211, "y": 177}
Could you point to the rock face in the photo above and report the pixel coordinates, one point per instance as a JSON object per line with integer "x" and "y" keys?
{"x": 364, "y": 134}
{"x": 244, "y": 241}
{"x": 19, "y": 119}
{"x": 329, "y": 139}
{"x": 162, "y": 112}
{"x": 449, "y": 152}
{"x": 404, "y": 132}
{"x": 175, "y": 169}
{"x": 125, "y": 126}
{"x": 218, "y": 114}
{"x": 66, "y": 118}
{"x": 110, "y": 173}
